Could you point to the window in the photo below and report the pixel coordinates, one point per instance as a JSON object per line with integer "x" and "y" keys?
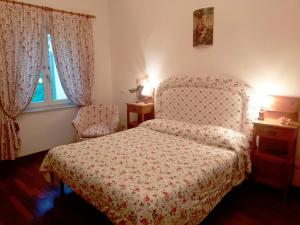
{"x": 49, "y": 92}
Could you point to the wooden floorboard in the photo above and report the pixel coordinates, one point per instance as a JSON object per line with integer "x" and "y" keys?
{"x": 27, "y": 199}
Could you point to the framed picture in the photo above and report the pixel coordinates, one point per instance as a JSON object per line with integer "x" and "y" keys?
{"x": 203, "y": 26}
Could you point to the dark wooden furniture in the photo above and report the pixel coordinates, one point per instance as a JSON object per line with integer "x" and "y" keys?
{"x": 273, "y": 153}
{"x": 144, "y": 112}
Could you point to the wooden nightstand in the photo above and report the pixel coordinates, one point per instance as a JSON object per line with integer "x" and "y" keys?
{"x": 144, "y": 112}
{"x": 273, "y": 153}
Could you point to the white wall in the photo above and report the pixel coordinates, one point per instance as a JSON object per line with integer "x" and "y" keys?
{"x": 256, "y": 41}
{"x": 44, "y": 130}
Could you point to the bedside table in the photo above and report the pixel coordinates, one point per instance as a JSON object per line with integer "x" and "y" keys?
{"x": 144, "y": 112}
{"x": 273, "y": 153}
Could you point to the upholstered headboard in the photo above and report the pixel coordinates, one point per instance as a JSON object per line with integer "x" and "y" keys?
{"x": 217, "y": 100}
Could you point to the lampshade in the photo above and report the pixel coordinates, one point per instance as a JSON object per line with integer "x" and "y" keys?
{"x": 147, "y": 90}
{"x": 267, "y": 102}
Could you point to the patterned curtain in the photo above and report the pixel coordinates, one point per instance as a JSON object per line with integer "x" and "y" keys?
{"x": 22, "y": 35}
{"x": 72, "y": 42}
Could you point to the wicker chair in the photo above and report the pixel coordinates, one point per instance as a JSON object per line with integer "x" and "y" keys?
{"x": 95, "y": 121}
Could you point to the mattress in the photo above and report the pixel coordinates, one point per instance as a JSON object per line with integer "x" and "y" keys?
{"x": 162, "y": 172}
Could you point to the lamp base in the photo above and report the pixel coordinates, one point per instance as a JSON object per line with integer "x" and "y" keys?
{"x": 261, "y": 115}
{"x": 146, "y": 100}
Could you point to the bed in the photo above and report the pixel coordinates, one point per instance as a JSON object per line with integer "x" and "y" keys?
{"x": 170, "y": 170}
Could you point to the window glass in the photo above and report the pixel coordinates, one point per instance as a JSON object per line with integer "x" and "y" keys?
{"x": 39, "y": 95}
{"x": 45, "y": 88}
{"x": 57, "y": 90}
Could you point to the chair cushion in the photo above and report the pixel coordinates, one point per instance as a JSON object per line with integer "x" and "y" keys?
{"x": 94, "y": 131}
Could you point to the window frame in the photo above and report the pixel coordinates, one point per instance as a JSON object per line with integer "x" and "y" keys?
{"x": 48, "y": 103}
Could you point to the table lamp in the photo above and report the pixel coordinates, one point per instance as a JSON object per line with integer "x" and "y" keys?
{"x": 147, "y": 92}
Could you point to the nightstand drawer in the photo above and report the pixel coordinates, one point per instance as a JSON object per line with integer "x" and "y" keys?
{"x": 133, "y": 108}
{"x": 148, "y": 109}
{"x": 275, "y": 132}
{"x": 140, "y": 109}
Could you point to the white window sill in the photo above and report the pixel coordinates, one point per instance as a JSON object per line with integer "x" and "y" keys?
{"x": 31, "y": 109}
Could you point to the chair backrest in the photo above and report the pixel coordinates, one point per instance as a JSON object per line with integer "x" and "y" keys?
{"x": 102, "y": 113}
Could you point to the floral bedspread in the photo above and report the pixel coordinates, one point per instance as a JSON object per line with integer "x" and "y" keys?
{"x": 162, "y": 172}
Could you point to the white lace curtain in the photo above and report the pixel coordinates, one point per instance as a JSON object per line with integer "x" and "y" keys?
{"x": 22, "y": 35}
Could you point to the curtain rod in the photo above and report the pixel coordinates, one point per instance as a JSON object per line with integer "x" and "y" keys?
{"x": 48, "y": 8}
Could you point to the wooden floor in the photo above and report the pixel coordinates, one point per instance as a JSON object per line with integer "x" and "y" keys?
{"x": 25, "y": 198}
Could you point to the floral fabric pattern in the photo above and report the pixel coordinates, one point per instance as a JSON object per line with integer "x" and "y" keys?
{"x": 209, "y": 135}
{"x": 96, "y": 120}
{"x": 207, "y": 100}
{"x": 157, "y": 173}
{"x": 73, "y": 47}
{"x": 96, "y": 131}
{"x": 22, "y": 35}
